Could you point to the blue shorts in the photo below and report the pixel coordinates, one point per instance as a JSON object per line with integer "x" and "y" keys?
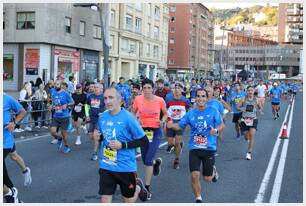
{"x": 148, "y": 152}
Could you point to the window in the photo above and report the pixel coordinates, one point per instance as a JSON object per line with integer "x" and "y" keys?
{"x": 138, "y": 25}
{"x": 172, "y": 8}
{"x": 149, "y": 30}
{"x": 111, "y": 42}
{"x": 3, "y": 20}
{"x": 171, "y": 40}
{"x": 171, "y": 61}
{"x": 157, "y": 12}
{"x": 172, "y": 29}
{"x": 8, "y": 67}
{"x": 132, "y": 47}
{"x": 148, "y": 50}
{"x": 156, "y": 32}
{"x": 155, "y": 51}
{"x": 82, "y": 28}
{"x": 128, "y": 22}
{"x": 140, "y": 49}
{"x": 112, "y": 18}
{"x": 26, "y": 20}
{"x": 125, "y": 45}
{"x": 68, "y": 24}
{"x": 96, "y": 32}
{"x": 171, "y": 51}
{"x": 172, "y": 19}
{"x": 149, "y": 10}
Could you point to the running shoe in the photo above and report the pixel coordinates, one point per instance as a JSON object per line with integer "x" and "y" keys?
{"x": 29, "y": 129}
{"x": 27, "y": 177}
{"x": 176, "y": 164}
{"x": 59, "y": 144}
{"x": 66, "y": 149}
{"x": 248, "y": 156}
{"x": 54, "y": 141}
{"x": 45, "y": 127}
{"x": 149, "y": 196}
{"x": 94, "y": 157}
{"x": 198, "y": 201}
{"x": 78, "y": 140}
{"x": 238, "y": 137}
{"x": 12, "y": 198}
{"x": 277, "y": 115}
{"x": 37, "y": 127}
{"x": 157, "y": 166}
{"x": 143, "y": 194}
{"x": 216, "y": 175}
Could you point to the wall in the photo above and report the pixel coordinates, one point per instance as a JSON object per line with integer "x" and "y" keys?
{"x": 12, "y": 49}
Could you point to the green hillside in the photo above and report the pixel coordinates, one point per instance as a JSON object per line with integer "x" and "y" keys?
{"x": 238, "y": 15}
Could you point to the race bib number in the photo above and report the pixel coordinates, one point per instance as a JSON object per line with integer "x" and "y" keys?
{"x": 237, "y": 100}
{"x": 192, "y": 100}
{"x": 275, "y": 95}
{"x": 58, "y": 109}
{"x": 200, "y": 141}
{"x": 110, "y": 155}
{"x": 78, "y": 108}
{"x": 150, "y": 135}
{"x": 249, "y": 108}
{"x": 248, "y": 121}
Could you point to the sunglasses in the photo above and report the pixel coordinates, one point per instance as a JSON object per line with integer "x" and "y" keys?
{"x": 176, "y": 110}
{"x": 201, "y": 95}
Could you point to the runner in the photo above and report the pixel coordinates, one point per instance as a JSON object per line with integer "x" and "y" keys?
{"x": 121, "y": 134}
{"x": 124, "y": 91}
{"x": 177, "y": 106}
{"x": 249, "y": 119}
{"x": 161, "y": 91}
{"x": 170, "y": 147}
{"x": 261, "y": 95}
{"x": 205, "y": 123}
{"x": 61, "y": 101}
{"x": 78, "y": 112}
{"x": 193, "y": 89}
{"x": 275, "y": 95}
{"x": 96, "y": 107}
{"x": 236, "y": 97}
{"x": 10, "y": 193}
{"x": 148, "y": 108}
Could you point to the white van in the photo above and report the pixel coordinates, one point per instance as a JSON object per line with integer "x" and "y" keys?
{"x": 277, "y": 76}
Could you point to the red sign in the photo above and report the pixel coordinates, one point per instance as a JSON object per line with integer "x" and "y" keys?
{"x": 69, "y": 56}
{"x": 32, "y": 61}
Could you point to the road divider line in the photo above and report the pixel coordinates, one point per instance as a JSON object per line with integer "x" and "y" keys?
{"x": 265, "y": 181}
{"x": 160, "y": 146}
{"x": 281, "y": 165}
{"x": 32, "y": 138}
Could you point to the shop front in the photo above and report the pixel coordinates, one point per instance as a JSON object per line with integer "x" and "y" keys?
{"x": 66, "y": 63}
{"x": 90, "y": 65}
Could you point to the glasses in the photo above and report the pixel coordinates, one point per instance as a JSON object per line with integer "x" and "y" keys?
{"x": 176, "y": 110}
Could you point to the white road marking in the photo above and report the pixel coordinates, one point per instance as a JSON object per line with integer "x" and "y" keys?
{"x": 32, "y": 138}
{"x": 265, "y": 181}
{"x": 281, "y": 165}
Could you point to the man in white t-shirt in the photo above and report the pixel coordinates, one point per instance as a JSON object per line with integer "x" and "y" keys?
{"x": 261, "y": 95}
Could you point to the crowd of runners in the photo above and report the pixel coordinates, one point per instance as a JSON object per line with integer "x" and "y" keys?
{"x": 131, "y": 117}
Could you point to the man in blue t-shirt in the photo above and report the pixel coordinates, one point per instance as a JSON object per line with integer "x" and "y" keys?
{"x": 125, "y": 91}
{"x": 96, "y": 106}
{"x": 275, "y": 96}
{"x": 11, "y": 105}
{"x": 61, "y": 100}
{"x": 205, "y": 122}
{"x": 119, "y": 134}
{"x": 236, "y": 97}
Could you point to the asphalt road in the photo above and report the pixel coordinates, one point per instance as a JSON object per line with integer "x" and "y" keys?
{"x": 73, "y": 177}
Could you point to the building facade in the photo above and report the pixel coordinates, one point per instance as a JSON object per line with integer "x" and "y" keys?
{"x": 290, "y": 23}
{"x": 52, "y": 40}
{"x": 190, "y": 39}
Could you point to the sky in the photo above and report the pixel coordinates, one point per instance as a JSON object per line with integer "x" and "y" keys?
{"x": 234, "y": 5}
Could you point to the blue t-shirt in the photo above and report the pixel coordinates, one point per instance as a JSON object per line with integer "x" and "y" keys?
{"x": 9, "y": 105}
{"x": 217, "y": 105}
{"x": 294, "y": 87}
{"x": 122, "y": 127}
{"x": 200, "y": 122}
{"x": 236, "y": 99}
{"x": 125, "y": 93}
{"x": 59, "y": 99}
{"x": 193, "y": 90}
{"x": 96, "y": 103}
{"x": 276, "y": 94}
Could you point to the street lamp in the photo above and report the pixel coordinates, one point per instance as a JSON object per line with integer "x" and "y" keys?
{"x": 103, "y": 9}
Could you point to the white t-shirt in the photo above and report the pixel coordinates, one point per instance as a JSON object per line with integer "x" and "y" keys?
{"x": 261, "y": 89}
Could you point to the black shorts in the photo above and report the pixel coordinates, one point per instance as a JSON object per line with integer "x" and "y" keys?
{"x": 245, "y": 128}
{"x": 294, "y": 93}
{"x": 109, "y": 180}
{"x": 173, "y": 133}
{"x": 76, "y": 116}
{"x": 62, "y": 123}
{"x": 275, "y": 103}
{"x": 7, "y": 151}
{"x": 236, "y": 117}
{"x": 198, "y": 156}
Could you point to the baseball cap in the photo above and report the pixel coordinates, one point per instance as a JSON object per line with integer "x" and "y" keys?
{"x": 78, "y": 86}
{"x": 178, "y": 84}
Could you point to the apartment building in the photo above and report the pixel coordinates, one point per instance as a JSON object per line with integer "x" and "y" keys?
{"x": 52, "y": 40}
{"x": 190, "y": 39}
{"x": 290, "y": 23}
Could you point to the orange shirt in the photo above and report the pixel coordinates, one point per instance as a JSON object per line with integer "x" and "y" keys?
{"x": 149, "y": 111}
